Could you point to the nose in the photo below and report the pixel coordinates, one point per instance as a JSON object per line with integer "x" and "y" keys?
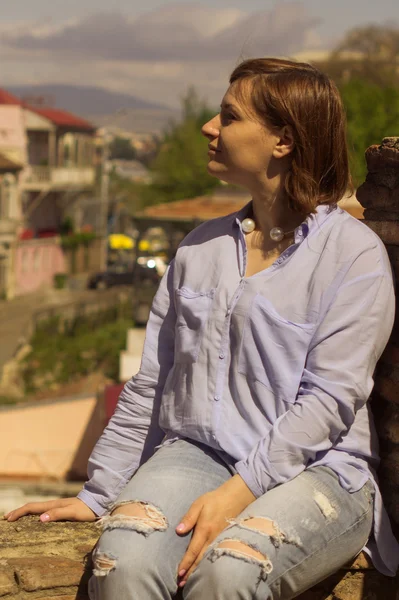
{"x": 211, "y": 129}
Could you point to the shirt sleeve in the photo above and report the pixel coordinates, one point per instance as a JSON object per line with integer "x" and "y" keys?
{"x": 337, "y": 379}
{"x": 133, "y": 431}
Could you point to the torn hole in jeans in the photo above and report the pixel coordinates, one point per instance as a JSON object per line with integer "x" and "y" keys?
{"x": 154, "y": 520}
{"x": 103, "y": 564}
{"x": 277, "y": 537}
{"x": 217, "y": 551}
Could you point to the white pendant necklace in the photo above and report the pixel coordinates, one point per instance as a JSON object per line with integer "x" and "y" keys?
{"x": 276, "y": 234}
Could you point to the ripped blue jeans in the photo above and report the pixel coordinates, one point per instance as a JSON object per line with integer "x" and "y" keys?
{"x": 313, "y": 526}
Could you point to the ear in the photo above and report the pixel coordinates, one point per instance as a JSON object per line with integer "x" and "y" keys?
{"x": 285, "y": 142}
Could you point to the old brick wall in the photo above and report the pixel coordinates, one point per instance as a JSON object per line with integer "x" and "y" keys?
{"x": 44, "y": 562}
{"x": 379, "y": 195}
{"x": 52, "y": 561}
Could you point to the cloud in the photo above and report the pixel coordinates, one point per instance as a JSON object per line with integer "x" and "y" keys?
{"x": 183, "y": 32}
{"x": 155, "y": 55}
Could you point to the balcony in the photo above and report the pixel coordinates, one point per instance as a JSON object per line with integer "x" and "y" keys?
{"x": 39, "y": 178}
{"x": 8, "y": 229}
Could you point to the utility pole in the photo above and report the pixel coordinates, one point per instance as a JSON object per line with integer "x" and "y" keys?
{"x": 104, "y": 203}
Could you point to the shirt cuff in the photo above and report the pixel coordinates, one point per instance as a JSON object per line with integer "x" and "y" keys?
{"x": 88, "y": 499}
{"x": 246, "y": 474}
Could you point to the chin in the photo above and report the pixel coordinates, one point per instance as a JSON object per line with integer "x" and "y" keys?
{"x": 225, "y": 176}
{"x": 218, "y": 172}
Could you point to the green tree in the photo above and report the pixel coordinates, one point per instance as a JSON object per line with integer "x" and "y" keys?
{"x": 180, "y": 168}
{"x": 369, "y": 53}
{"x": 121, "y": 148}
{"x": 372, "y": 113}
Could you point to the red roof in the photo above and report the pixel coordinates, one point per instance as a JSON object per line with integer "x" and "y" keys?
{"x": 7, "y": 164}
{"x": 201, "y": 208}
{"x": 7, "y": 98}
{"x": 61, "y": 118}
{"x": 220, "y": 204}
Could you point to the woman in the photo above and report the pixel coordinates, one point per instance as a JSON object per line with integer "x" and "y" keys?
{"x": 255, "y": 375}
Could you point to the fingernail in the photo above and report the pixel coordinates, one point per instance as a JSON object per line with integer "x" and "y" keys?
{"x": 182, "y": 572}
{"x": 45, "y": 517}
{"x": 180, "y": 527}
{"x": 182, "y": 583}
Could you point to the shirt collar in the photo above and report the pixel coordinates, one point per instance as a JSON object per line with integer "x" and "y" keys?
{"x": 312, "y": 221}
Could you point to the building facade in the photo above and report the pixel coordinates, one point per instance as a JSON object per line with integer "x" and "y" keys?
{"x": 59, "y": 188}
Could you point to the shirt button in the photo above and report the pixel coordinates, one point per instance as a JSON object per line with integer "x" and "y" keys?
{"x": 217, "y": 398}
{"x": 214, "y": 437}
{"x": 221, "y": 355}
{"x": 228, "y": 312}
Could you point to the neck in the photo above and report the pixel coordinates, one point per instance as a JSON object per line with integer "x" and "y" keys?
{"x": 272, "y": 209}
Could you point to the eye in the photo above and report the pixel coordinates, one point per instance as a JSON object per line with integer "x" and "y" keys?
{"x": 227, "y": 116}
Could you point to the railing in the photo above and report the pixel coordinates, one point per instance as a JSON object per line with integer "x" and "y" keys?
{"x": 60, "y": 176}
{"x": 8, "y": 227}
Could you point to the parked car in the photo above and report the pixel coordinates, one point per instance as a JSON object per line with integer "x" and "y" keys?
{"x": 123, "y": 275}
{"x": 146, "y": 277}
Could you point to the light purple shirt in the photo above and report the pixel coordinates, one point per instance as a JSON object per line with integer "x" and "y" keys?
{"x": 274, "y": 370}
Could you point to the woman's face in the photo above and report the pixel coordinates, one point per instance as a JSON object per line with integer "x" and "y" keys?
{"x": 240, "y": 147}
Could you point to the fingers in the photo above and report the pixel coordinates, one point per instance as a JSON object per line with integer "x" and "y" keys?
{"x": 66, "y": 513}
{"x": 190, "y": 519}
{"x": 193, "y": 567}
{"x": 63, "y": 509}
{"x": 196, "y": 547}
{"x": 34, "y": 508}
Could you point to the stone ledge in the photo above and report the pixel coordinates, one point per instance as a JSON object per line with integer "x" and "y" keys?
{"x": 52, "y": 562}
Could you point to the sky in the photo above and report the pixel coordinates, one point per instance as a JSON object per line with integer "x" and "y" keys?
{"x": 157, "y": 52}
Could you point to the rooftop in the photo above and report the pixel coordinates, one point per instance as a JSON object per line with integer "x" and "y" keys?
{"x": 220, "y": 204}
{"x": 7, "y": 98}
{"x": 61, "y": 118}
{"x": 7, "y": 164}
{"x": 201, "y": 208}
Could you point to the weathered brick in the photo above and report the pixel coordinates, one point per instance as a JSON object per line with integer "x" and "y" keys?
{"x": 63, "y": 597}
{"x": 386, "y": 177}
{"x": 378, "y": 197}
{"x": 393, "y": 252}
{"x": 388, "y": 426}
{"x": 390, "y": 356}
{"x": 387, "y": 388}
{"x": 383, "y": 156}
{"x": 84, "y": 549}
{"x": 361, "y": 562}
{"x": 389, "y": 468}
{"x": 390, "y": 496}
{"x": 7, "y": 581}
{"x": 375, "y": 214}
{"x": 388, "y": 231}
{"x": 364, "y": 585}
{"x": 45, "y": 572}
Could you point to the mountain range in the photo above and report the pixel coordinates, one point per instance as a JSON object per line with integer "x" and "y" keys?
{"x": 101, "y": 106}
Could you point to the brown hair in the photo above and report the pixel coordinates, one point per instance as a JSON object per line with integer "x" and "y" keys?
{"x": 284, "y": 92}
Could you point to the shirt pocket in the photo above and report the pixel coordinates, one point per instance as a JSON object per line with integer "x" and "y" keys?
{"x": 273, "y": 349}
{"x": 192, "y": 310}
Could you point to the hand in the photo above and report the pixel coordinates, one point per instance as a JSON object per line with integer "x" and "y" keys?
{"x": 209, "y": 515}
{"x": 64, "y": 509}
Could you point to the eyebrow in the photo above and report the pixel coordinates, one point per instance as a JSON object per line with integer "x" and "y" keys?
{"x": 228, "y": 105}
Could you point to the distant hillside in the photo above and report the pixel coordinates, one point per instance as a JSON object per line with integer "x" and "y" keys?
{"x": 101, "y": 106}
{"x": 137, "y": 120}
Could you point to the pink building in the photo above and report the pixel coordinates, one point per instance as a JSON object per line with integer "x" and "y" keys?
{"x": 57, "y": 187}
